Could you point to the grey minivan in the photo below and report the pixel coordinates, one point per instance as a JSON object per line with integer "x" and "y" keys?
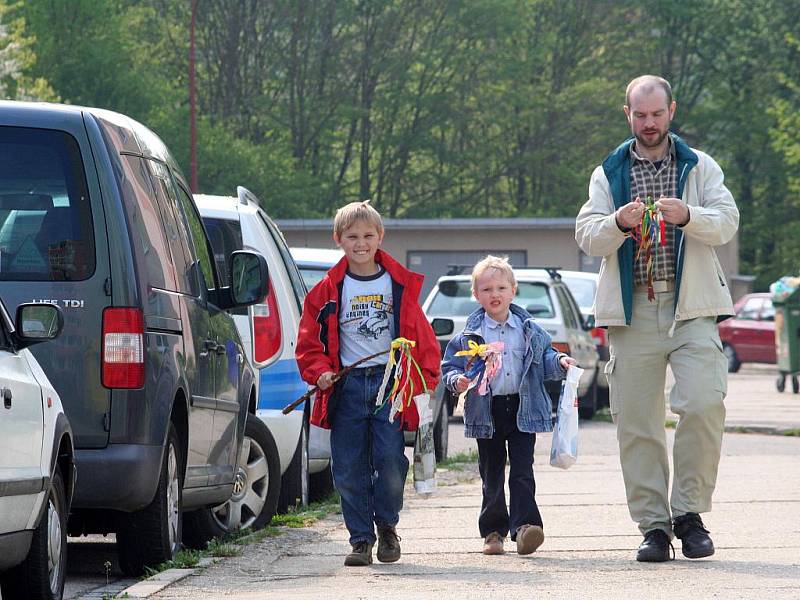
{"x": 96, "y": 217}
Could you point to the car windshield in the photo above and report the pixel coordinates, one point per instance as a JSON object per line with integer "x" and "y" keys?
{"x": 312, "y": 275}
{"x": 582, "y": 290}
{"x": 454, "y": 299}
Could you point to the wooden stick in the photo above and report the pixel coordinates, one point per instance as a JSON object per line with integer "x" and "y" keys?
{"x": 290, "y": 407}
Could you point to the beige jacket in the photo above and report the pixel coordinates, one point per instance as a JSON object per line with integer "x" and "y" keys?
{"x": 701, "y": 288}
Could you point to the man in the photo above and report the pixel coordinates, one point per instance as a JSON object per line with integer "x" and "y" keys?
{"x": 660, "y": 294}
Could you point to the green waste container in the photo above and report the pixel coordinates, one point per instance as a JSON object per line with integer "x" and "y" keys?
{"x": 787, "y": 336}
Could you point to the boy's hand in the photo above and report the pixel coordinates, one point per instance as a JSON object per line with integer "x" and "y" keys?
{"x": 325, "y": 380}
{"x": 566, "y": 361}
{"x": 462, "y": 383}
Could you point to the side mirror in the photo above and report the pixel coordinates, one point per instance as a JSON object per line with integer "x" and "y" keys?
{"x": 588, "y": 322}
{"x": 37, "y": 323}
{"x": 249, "y": 278}
{"x": 443, "y": 326}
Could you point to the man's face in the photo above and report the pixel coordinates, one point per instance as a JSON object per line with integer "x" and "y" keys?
{"x": 649, "y": 116}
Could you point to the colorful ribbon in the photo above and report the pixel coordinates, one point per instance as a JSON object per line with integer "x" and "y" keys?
{"x": 483, "y": 365}
{"x": 403, "y": 364}
{"x": 650, "y": 232}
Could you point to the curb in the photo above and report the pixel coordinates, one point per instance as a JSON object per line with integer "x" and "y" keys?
{"x": 155, "y": 583}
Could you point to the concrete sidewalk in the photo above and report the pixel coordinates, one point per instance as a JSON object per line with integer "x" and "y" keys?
{"x": 588, "y": 552}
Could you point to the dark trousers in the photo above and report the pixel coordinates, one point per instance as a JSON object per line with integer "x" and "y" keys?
{"x": 492, "y": 463}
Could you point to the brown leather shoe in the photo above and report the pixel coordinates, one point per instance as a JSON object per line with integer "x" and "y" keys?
{"x": 360, "y": 555}
{"x": 388, "y": 544}
{"x": 529, "y": 538}
{"x": 493, "y": 544}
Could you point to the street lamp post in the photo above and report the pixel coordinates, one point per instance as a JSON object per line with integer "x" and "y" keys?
{"x": 192, "y": 104}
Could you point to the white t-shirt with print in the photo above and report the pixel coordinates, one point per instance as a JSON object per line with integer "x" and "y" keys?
{"x": 366, "y": 318}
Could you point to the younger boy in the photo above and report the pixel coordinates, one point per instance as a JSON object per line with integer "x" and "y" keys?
{"x": 362, "y": 304}
{"x": 514, "y": 408}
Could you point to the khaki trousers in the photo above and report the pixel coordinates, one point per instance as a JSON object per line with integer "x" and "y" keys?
{"x": 636, "y": 374}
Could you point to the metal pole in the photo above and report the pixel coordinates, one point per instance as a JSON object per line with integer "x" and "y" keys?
{"x": 192, "y": 105}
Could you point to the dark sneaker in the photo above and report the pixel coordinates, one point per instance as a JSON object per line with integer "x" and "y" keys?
{"x": 493, "y": 544}
{"x": 655, "y": 547}
{"x": 388, "y": 544}
{"x": 360, "y": 555}
{"x": 695, "y": 541}
{"x": 529, "y": 538}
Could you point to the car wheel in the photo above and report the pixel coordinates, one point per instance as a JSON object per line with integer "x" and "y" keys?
{"x": 441, "y": 433}
{"x": 587, "y": 404}
{"x": 153, "y": 535}
{"x": 320, "y": 484}
{"x": 294, "y": 483}
{"x": 42, "y": 573}
{"x": 255, "y": 490}
{"x": 733, "y": 360}
{"x": 602, "y": 397}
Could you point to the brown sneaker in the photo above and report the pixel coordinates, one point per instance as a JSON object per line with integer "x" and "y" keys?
{"x": 360, "y": 555}
{"x": 388, "y": 544}
{"x": 529, "y": 538}
{"x": 493, "y": 544}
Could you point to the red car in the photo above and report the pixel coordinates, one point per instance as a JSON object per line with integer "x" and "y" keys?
{"x": 750, "y": 335}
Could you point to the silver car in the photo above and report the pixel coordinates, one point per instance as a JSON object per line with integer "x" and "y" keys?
{"x": 542, "y": 293}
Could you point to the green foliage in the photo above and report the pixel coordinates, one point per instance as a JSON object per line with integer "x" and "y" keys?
{"x": 18, "y": 58}
{"x": 481, "y": 108}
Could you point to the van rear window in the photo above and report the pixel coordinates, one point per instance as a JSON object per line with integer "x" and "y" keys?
{"x": 45, "y": 216}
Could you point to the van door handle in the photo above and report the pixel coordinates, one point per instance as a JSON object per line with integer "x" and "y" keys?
{"x": 7, "y": 397}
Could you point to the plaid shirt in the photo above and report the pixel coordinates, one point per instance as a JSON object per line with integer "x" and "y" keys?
{"x": 647, "y": 179}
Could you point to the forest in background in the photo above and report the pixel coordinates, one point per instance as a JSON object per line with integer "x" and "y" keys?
{"x": 433, "y": 108}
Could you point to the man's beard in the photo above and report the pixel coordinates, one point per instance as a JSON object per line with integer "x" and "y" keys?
{"x": 640, "y": 139}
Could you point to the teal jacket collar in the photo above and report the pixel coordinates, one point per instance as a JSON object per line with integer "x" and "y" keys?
{"x": 617, "y": 168}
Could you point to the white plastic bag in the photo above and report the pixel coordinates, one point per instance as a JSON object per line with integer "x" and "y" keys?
{"x": 564, "y": 451}
{"x": 424, "y": 450}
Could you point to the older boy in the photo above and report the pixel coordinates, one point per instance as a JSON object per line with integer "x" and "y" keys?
{"x": 362, "y": 304}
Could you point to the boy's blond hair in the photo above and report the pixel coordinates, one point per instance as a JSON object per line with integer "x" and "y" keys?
{"x": 356, "y": 211}
{"x": 494, "y": 262}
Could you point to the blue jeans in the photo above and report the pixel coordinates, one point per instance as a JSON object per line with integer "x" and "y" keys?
{"x": 368, "y": 458}
{"x": 508, "y": 441}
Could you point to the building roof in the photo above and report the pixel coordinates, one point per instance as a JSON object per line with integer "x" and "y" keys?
{"x": 438, "y": 224}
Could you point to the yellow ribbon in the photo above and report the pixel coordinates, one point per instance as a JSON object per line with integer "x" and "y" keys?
{"x": 475, "y": 349}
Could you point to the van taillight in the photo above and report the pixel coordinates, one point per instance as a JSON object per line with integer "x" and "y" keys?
{"x": 123, "y": 348}
{"x": 599, "y": 336}
{"x": 266, "y": 328}
{"x": 561, "y": 347}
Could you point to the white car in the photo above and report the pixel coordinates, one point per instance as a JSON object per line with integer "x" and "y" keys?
{"x": 542, "y": 293}
{"x": 583, "y": 285}
{"x": 37, "y": 472}
{"x": 269, "y": 334}
{"x": 313, "y": 263}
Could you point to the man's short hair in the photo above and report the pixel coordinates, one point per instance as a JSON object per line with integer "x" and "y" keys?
{"x": 499, "y": 263}
{"x": 347, "y": 215}
{"x": 648, "y": 83}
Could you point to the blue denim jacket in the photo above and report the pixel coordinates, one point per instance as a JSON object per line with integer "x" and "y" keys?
{"x": 540, "y": 364}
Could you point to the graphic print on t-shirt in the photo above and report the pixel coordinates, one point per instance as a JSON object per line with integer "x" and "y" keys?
{"x": 368, "y": 316}
{"x": 366, "y": 319}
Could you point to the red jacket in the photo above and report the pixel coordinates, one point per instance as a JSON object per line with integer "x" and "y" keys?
{"x": 318, "y": 339}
